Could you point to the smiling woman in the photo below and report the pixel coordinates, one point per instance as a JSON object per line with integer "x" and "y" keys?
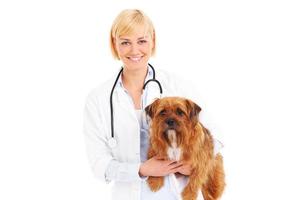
{"x": 132, "y": 38}
{"x": 132, "y": 41}
{"x": 134, "y": 50}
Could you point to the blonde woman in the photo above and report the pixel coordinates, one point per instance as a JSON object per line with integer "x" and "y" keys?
{"x": 115, "y": 127}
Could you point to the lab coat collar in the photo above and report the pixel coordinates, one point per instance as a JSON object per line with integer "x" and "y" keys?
{"x": 149, "y": 94}
{"x": 149, "y": 76}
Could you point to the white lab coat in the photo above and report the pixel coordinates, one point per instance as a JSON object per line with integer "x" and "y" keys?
{"x": 126, "y": 130}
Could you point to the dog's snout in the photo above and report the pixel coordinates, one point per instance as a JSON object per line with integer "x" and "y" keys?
{"x": 170, "y": 122}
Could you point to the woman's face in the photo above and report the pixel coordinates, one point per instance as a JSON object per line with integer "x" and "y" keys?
{"x": 135, "y": 50}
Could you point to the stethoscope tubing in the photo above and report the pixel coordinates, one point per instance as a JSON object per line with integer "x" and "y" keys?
{"x": 112, "y": 141}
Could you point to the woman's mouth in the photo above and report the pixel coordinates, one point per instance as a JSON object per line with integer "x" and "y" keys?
{"x": 135, "y": 58}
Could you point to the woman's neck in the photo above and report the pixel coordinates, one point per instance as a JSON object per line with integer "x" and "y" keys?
{"x": 134, "y": 79}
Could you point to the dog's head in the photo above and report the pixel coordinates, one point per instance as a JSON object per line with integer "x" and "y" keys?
{"x": 173, "y": 120}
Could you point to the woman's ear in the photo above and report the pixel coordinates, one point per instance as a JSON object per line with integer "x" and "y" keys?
{"x": 150, "y": 109}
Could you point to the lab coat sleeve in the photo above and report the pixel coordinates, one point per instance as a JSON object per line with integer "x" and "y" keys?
{"x": 123, "y": 172}
{"x": 103, "y": 164}
{"x": 99, "y": 154}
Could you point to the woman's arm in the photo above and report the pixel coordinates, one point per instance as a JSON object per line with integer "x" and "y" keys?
{"x": 104, "y": 166}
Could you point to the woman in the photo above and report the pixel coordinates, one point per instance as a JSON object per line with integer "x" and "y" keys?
{"x": 132, "y": 41}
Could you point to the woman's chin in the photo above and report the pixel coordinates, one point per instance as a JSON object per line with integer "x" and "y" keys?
{"x": 132, "y": 65}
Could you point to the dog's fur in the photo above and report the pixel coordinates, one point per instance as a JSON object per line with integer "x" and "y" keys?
{"x": 174, "y": 127}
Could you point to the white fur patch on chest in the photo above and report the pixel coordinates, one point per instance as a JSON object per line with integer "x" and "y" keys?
{"x": 174, "y": 152}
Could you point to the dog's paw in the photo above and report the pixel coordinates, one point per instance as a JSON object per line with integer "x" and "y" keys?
{"x": 155, "y": 183}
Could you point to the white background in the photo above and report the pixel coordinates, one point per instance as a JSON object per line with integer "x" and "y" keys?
{"x": 242, "y": 55}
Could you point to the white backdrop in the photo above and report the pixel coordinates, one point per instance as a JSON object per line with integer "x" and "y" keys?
{"x": 243, "y": 56}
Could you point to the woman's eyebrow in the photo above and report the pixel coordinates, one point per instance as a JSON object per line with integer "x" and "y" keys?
{"x": 140, "y": 38}
{"x": 124, "y": 39}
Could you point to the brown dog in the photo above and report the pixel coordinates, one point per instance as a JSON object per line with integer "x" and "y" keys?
{"x": 176, "y": 132}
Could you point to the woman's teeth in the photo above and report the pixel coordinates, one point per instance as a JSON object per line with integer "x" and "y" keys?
{"x": 135, "y": 59}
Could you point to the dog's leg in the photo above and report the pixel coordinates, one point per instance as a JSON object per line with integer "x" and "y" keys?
{"x": 190, "y": 191}
{"x": 155, "y": 183}
{"x": 214, "y": 187}
{"x": 196, "y": 181}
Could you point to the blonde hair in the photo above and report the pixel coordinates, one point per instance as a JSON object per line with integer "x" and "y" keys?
{"x": 126, "y": 23}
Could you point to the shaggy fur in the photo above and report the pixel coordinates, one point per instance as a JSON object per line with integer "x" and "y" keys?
{"x": 174, "y": 124}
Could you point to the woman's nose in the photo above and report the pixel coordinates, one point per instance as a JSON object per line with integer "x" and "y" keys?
{"x": 134, "y": 48}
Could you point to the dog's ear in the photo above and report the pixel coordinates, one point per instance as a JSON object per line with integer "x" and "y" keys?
{"x": 193, "y": 109}
{"x": 150, "y": 109}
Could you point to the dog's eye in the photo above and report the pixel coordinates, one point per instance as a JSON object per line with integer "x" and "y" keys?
{"x": 162, "y": 113}
{"x": 179, "y": 112}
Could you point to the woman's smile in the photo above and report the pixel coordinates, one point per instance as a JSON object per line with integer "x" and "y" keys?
{"x": 135, "y": 58}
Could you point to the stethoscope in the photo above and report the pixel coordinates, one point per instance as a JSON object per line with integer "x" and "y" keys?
{"x": 112, "y": 141}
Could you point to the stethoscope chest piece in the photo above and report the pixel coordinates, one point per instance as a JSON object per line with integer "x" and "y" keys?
{"x": 112, "y": 143}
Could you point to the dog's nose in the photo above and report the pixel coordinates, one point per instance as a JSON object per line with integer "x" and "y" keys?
{"x": 170, "y": 122}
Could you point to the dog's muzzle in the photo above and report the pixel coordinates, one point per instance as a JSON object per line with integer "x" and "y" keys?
{"x": 170, "y": 131}
{"x": 171, "y": 123}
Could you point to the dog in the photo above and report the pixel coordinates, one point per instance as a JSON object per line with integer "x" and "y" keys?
{"x": 176, "y": 133}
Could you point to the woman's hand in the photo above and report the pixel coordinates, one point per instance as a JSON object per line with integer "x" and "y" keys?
{"x": 157, "y": 166}
{"x": 184, "y": 168}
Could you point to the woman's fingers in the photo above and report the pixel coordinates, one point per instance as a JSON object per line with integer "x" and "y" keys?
{"x": 163, "y": 166}
{"x": 173, "y": 171}
{"x": 170, "y": 162}
{"x": 180, "y": 167}
{"x": 174, "y": 165}
{"x": 185, "y": 170}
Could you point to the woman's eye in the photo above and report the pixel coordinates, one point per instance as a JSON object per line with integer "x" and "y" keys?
{"x": 162, "y": 113}
{"x": 179, "y": 112}
{"x": 125, "y": 43}
{"x": 142, "y": 41}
